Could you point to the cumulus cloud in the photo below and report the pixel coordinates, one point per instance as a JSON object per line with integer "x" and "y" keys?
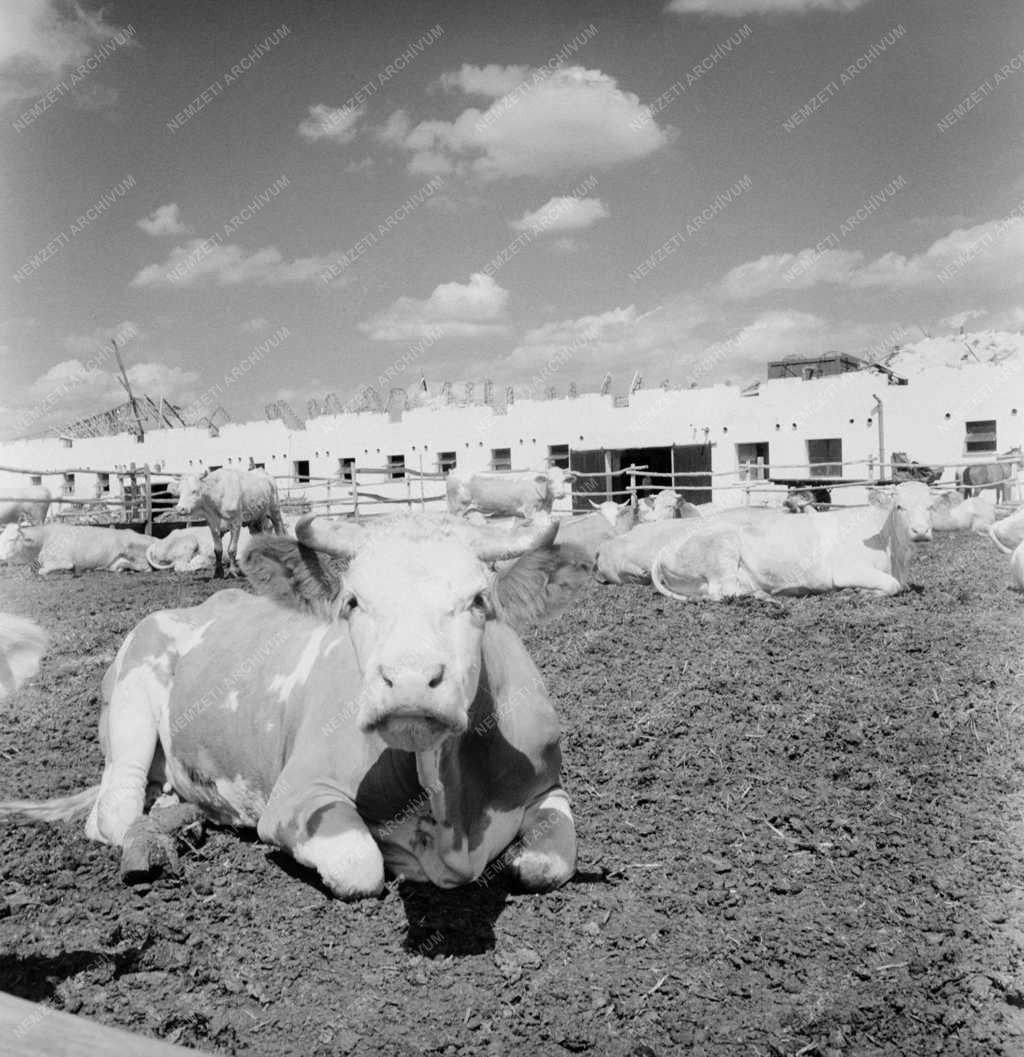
{"x": 991, "y": 253}
{"x": 739, "y": 8}
{"x": 165, "y": 220}
{"x": 551, "y": 124}
{"x": 42, "y": 40}
{"x": 566, "y": 213}
{"x": 338, "y": 124}
{"x": 789, "y": 271}
{"x": 201, "y": 261}
{"x": 454, "y": 310}
{"x": 98, "y": 340}
{"x": 254, "y": 326}
{"x": 492, "y": 81}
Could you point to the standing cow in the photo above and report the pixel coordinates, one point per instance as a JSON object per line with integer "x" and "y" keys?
{"x": 501, "y": 494}
{"x": 380, "y": 712}
{"x": 24, "y": 504}
{"x": 229, "y": 499}
{"x": 997, "y": 476}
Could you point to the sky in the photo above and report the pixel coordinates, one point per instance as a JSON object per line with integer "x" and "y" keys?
{"x": 277, "y": 201}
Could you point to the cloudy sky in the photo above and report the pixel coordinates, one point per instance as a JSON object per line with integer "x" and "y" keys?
{"x": 340, "y": 195}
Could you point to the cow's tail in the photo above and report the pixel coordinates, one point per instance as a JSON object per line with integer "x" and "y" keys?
{"x": 997, "y": 541}
{"x": 152, "y": 561}
{"x": 660, "y": 584}
{"x": 59, "y": 809}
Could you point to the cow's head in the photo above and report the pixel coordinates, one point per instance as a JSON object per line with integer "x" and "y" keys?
{"x": 912, "y": 501}
{"x": 618, "y": 515}
{"x": 416, "y": 592}
{"x": 188, "y": 493}
{"x": 558, "y": 479}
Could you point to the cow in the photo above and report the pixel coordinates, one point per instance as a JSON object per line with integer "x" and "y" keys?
{"x": 10, "y": 539}
{"x": 1008, "y": 533}
{"x": 1017, "y": 568}
{"x": 22, "y": 643}
{"x": 80, "y": 548}
{"x": 906, "y": 469}
{"x": 500, "y": 494}
{"x": 997, "y": 476}
{"x": 664, "y": 506}
{"x": 188, "y": 550}
{"x": 952, "y": 513}
{"x": 627, "y": 559}
{"x": 590, "y": 531}
{"x": 373, "y": 708}
{"x": 799, "y": 501}
{"x": 868, "y": 548}
{"x": 229, "y": 499}
{"x": 24, "y": 504}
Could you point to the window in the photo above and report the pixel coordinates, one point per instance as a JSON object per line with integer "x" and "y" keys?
{"x": 65, "y": 442}
{"x": 102, "y": 483}
{"x": 981, "y": 436}
{"x": 256, "y": 465}
{"x": 396, "y": 467}
{"x": 752, "y": 460}
{"x": 559, "y": 455}
{"x": 501, "y": 458}
{"x": 446, "y": 461}
{"x": 69, "y": 484}
{"x": 346, "y": 468}
{"x": 300, "y": 470}
{"x": 825, "y": 457}
{"x": 36, "y": 479}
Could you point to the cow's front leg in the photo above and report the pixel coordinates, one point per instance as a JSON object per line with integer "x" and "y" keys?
{"x": 329, "y": 837}
{"x": 544, "y": 853}
{"x": 867, "y": 579}
{"x": 218, "y": 553}
{"x": 236, "y": 529}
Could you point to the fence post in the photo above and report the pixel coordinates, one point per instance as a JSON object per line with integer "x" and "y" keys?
{"x": 355, "y": 491}
{"x": 423, "y": 500}
{"x": 149, "y": 499}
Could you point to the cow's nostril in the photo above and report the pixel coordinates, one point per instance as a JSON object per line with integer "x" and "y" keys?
{"x": 435, "y": 681}
{"x": 387, "y": 680}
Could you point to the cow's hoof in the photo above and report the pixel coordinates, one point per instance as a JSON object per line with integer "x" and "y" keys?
{"x": 147, "y": 852}
{"x": 538, "y": 871}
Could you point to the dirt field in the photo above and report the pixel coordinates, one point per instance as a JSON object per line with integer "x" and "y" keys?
{"x": 800, "y": 833}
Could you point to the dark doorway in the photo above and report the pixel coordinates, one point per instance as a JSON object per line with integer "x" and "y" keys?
{"x": 690, "y": 459}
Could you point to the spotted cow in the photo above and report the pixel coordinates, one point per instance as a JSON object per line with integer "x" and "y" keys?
{"x": 373, "y": 709}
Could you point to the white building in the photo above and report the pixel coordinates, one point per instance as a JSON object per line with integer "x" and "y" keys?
{"x": 742, "y": 444}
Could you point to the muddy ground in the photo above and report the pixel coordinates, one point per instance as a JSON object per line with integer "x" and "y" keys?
{"x": 800, "y": 833}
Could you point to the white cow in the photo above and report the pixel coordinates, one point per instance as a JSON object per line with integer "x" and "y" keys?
{"x": 662, "y": 507}
{"x": 78, "y": 548}
{"x": 29, "y": 504}
{"x": 189, "y": 550}
{"x": 1008, "y": 533}
{"x": 952, "y": 513}
{"x": 627, "y": 559}
{"x": 868, "y": 548}
{"x": 229, "y": 499}
{"x": 22, "y": 643}
{"x": 501, "y": 494}
{"x": 1017, "y": 568}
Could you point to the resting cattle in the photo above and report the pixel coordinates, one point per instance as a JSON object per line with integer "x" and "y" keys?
{"x": 589, "y": 532}
{"x": 229, "y": 499}
{"x": 661, "y": 507}
{"x": 952, "y": 513}
{"x": 627, "y": 559}
{"x": 28, "y": 504}
{"x": 994, "y": 476}
{"x": 188, "y": 550}
{"x": 1008, "y": 533}
{"x": 507, "y": 494}
{"x": 377, "y": 711}
{"x": 868, "y": 548}
{"x": 22, "y": 643}
{"x": 80, "y": 548}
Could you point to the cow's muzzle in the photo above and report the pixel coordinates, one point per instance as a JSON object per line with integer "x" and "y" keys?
{"x": 414, "y": 708}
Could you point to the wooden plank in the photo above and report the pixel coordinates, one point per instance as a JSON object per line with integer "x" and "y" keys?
{"x": 32, "y": 1030}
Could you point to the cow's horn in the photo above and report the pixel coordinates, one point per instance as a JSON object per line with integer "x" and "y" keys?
{"x": 340, "y": 539}
{"x": 494, "y": 545}
{"x": 152, "y": 561}
{"x": 596, "y": 506}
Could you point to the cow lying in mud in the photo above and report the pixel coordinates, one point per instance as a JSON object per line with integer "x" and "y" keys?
{"x": 374, "y": 708}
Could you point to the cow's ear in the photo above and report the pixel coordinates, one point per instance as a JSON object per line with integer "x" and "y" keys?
{"x": 174, "y": 487}
{"x": 294, "y": 576}
{"x": 541, "y": 584}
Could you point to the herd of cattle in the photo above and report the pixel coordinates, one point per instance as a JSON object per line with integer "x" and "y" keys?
{"x": 380, "y": 712}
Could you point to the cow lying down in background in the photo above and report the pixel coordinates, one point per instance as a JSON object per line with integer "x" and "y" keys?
{"x": 868, "y": 548}
{"x": 373, "y": 708}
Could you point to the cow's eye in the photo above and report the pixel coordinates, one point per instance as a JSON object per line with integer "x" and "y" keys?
{"x": 349, "y": 605}
{"x": 479, "y": 602}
